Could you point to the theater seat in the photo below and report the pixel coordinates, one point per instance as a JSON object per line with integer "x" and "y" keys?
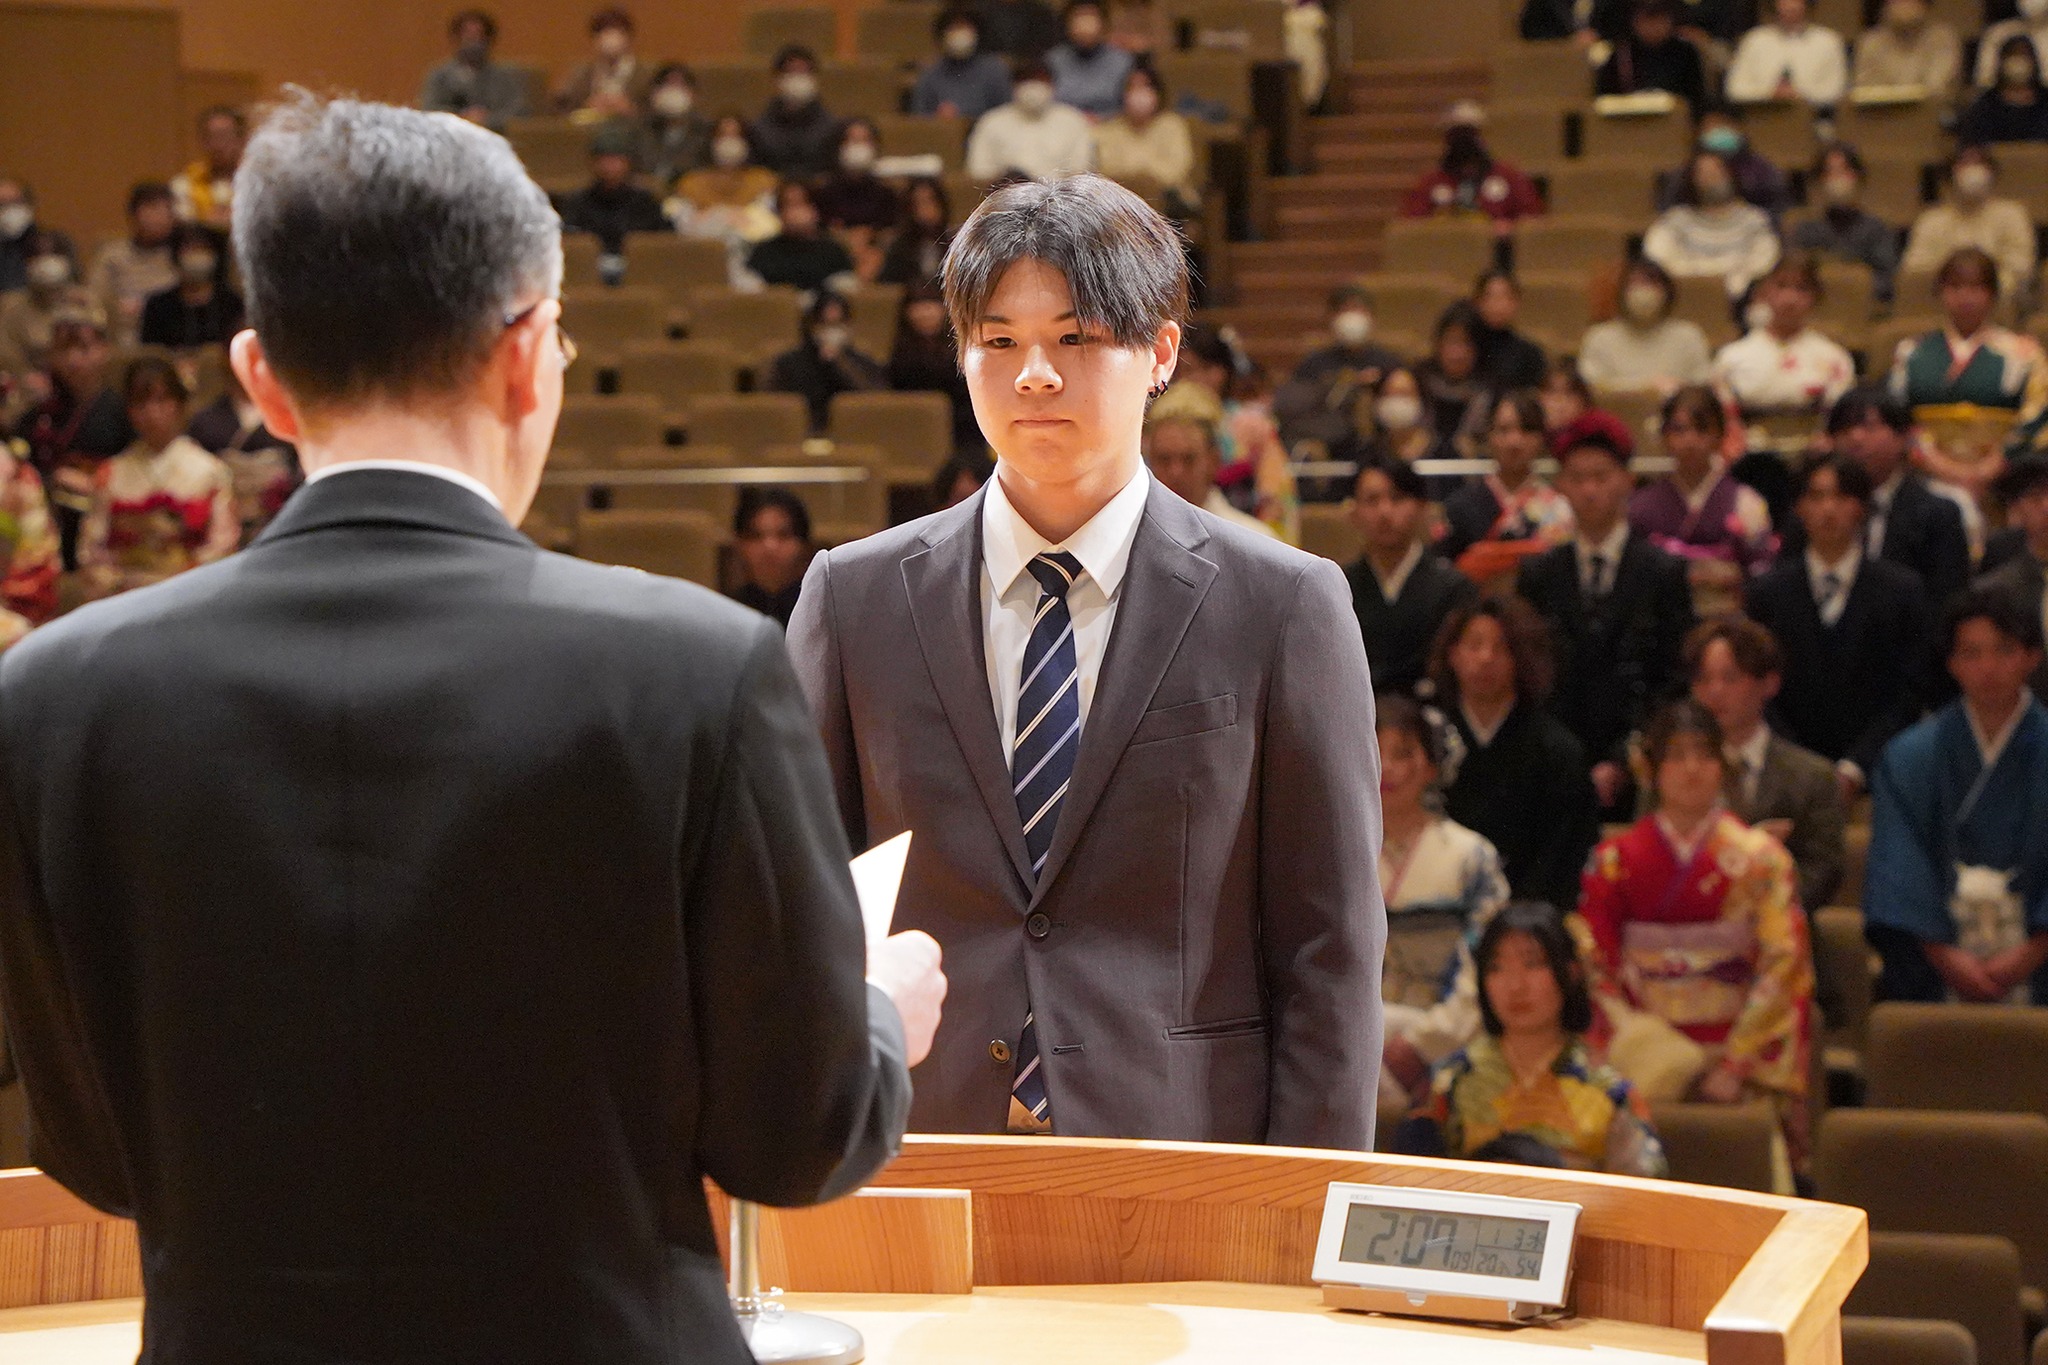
{"x": 678, "y": 544}
{"x": 766, "y": 30}
{"x": 1458, "y": 247}
{"x": 1962, "y": 1278}
{"x": 1718, "y": 1144}
{"x": 915, "y": 428}
{"x": 748, "y": 421}
{"x": 758, "y": 325}
{"x": 672, "y": 372}
{"x": 1958, "y": 1057}
{"x": 1905, "y": 1341}
{"x": 606, "y": 321}
{"x": 597, "y": 425}
{"x": 899, "y": 32}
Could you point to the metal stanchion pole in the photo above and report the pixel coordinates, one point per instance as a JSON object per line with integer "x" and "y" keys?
{"x": 774, "y": 1334}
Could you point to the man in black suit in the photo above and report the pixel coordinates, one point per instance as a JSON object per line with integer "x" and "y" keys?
{"x": 2023, "y": 489}
{"x": 401, "y": 923}
{"x": 1856, "y": 631}
{"x": 1618, "y": 608}
{"x": 1910, "y": 524}
{"x": 1401, "y": 589}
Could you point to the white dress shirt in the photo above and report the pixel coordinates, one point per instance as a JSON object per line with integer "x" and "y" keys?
{"x": 434, "y": 471}
{"x": 1608, "y": 549}
{"x": 1392, "y": 584}
{"x": 1009, "y": 594}
{"x": 1817, "y": 569}
{"x": 1880, "y": 511}
{"x": 1815, "y": 60}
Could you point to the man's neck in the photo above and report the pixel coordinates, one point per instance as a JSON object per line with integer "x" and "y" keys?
{"x": 1406, "y": 821}
{"x": 1488, "y": 712}
{"x": 463, "y": 442}
{"x": 198, "y": 295}
{"x": 1387, "y": 558}
{"x": 1832, "y": 555}
{"x": 1735, "y": 738}
{"x": 1995, "y": 713}
{"x": 1597, "y": 535}
{"x": 1057, "y": 511}
{"x": 1694, "y": 479}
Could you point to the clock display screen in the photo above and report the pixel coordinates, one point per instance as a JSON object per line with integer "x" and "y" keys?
{"x": 1422, "y": 1239}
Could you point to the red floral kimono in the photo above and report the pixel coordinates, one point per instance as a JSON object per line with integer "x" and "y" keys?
{"x": 155, "y": 514}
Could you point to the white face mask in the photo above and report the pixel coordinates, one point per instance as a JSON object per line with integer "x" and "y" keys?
{"x": 1642, "y": 302}
{"x": 1352, "y": 327}
{"x": 672, "y": 101}
{"x": 857, "y": 157}
{"x": 1840, "y": 189}
{"x": 16, "y": 219}
{"x": 798, "y": 87}
{"x": 960, "y": 43}
{"x": 1142, "y": 102}
{"x": 1034, "y": 97}
{"x": 49, "y": 272}
{"x": 1973, "y": 181}
{"x": 831, "y": 337}
{"x": 1398, "y": 411}
{"x": 197, "y": 265}
{"x": 729, "y": 152}
{"x": 613, "y": 43}
{"x": 2032, "y": 10}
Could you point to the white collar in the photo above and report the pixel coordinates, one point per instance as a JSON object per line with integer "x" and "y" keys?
{"x": 1392, "y": 584}
{"x": 1482, "y": 733}
{"x": 437, "y": 471}
{"x": 1609, "y": 547}
{"x": 1750, "y": 753}
{"x": 1103, "y": 545}
{"x": 1847, "y": 567}
{"x": 1992, "y": 748}
{"x": 1883, "y": 494}
{"x": 1688, "y": 849}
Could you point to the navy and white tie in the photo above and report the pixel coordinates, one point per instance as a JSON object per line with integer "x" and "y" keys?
{"x": 1042, "y": 760}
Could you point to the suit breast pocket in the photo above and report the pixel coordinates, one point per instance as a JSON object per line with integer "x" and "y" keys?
{"x": 1190, "y": 718}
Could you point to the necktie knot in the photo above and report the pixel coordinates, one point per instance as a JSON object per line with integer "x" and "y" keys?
{"x": 1056, "y": 572}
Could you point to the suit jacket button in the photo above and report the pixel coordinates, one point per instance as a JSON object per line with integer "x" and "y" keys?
{"x": 999, "y": 1051}
{"x": 1038, "y": 926}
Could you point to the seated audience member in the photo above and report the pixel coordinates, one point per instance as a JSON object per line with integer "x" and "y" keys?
{"x": 1471, "y": 179}
{"x": 1181, "y": 453}
{"x": 825, "y": 363}
{"x": 1654, "y": 57}
{"x": 82, "y": 423}
{"x": 1530, "y": 1089}
{"x": 1716, "y": 25}
{"x": 1789, "y": 58}
{"x": 612, "y": 82}
{"x": 794, "y": 136}
{"x": 1788, "y": 792}
{"x": 675, "y": 136}
{"x": 1031, "y": 135}
{"x": 1524, "y": 781}
{"x": 1907, "y": 47}
{"x": 18, "y": 230}
{"x": 926, "y": 358}
{"x": 265, "y": 469}
{"x": 1695, "y": 920}
{"x": 1088, "y": 71}
{"x": 1758, "y": 180}
{"x": 1584, "y": 24}
{"x": 801, "y": 256}
{"x": 772, "y": 532}
{"x": 2016, "y": 108}
{"x": 1976, "y": 384}
{"x": 1457, "y": 397}
{"x": 1844, "y": 229}
{"x": 199, "y": 310}
{"x": 470, "y": 83}
{"x": 1955, "y": 897}
{"x": 960, "y": 478}
{"x": 964, "y": 80}
{"x": 1319, "y": 402}
{"x": 1910, "y": 524}
{"x": 1148, "y": 145}
{"x": 1854, "y": 629}
{"x": 126, "y": 271}
{"x": 1443, "y": 884}
{"x": 611, "y": 205}
{"x": 1496, "y": 521}
{"x": 1699, "y": 512}
{"x": 2023, "y": 490}
{"x": 853, "y": 198}
{"x": 2031, "y": 22}
{"x": 1507, "y": 359}
{"x": 29, "y": 315}
{"x": 163, "y": 505}
{"x": 1401, "y": 588}
{"x": 1021, "y": 30}
{"x": 28, "y": 589}
{"x": 733, "y": 198}
{"x": 204, "y": 192}
{"x": 1618, "y": 610}
{"x": 1645, "y": 349}
{"x": 1974, "y": 216}
{"x": 1784, "y": 368}
{"x": 1255, "y": 474}
{"x": 1569, "y": 410}
{"x": 918, "y": 250}
{"x": 1401, "y": 428}
{"x": 1710, "y": 232}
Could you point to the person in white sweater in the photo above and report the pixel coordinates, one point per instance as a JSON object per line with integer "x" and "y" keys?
{"x": 1974, "y": 216}
{"x": 1790, "y": 58}
{"x": 1032, "y": 133}
{"x": 1645, "y": 350}
{"x": 2031, "y": 23}
{"x": 1711, "y": 232}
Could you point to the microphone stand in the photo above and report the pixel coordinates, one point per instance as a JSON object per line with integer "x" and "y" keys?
{"x": 775, "y": 1335}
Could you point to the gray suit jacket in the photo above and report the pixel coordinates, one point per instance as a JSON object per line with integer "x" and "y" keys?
{"x": 1203, "y": 947}
{"x": 1799, "y": 785}
{"x": 2022, "y": 576}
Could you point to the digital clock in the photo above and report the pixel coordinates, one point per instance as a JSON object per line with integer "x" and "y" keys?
{"x": 1444, "y": 1253}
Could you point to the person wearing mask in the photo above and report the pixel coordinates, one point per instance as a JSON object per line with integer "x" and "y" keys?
{"x": 1351, "y": 348}
{"x": 732, "y": 198}
{"x": 469, "y": 83}
{"x": 1654, "y": 56}
{"x": 1789, "y": 58}
{"x": 1019, "y": 30}
{"x": 2023, "y": 491}
{"x": 611, "y": 83}
{"x": 1523, "y": 784}
{"x": 772, "y": 533}
{"x": 1456, "y": 397}
{"x": 1700, "y": 513}
{"x": 28, "y": 583}
{"x": 926, "y": 358}
{"x": 611, "y": 205}
{"x": 1469, "y": 179}
{"x": 1645, "y": 349}
{"x": 1975, "y": 216}
{"x": 204, "y": 192}
{"x": 1844, "y": 229}
{"x": 1912, "y": 523}
{"x": 80, "y": 424}
{"x": 1032, "y": 135}
{"x": 1088, "y": 71}
{"x": 853, "y": 199}
{"x": 1496, "y": 521}
{"x": 28, "y": 316}
{"x": 795, "y": 136}
{"x": 826, "y": 363}
{"x": 802, "y": 255}
{"x": 1784, "y": 367}
{"x": 1148, "y": 146}
{"x": 1955, "y": 896}
{"x": 1854, "y": 628}
{"x": 199, "y": 310}
{"x": 1507, "y": 359}
{"x": 265, "y": 468}
{"x": 2031, "y": 23}
{"x": 1401, "y": 589}
{"x": 1401, "y": 427}
{"x": 675, "y": 136}
{"x": 964, "y": 80}
{"x": 17, "y": 223}
{"x": 1181, "y": 453}
{"x": 1582, "y": 22}
{"x": 125, "y": 272}
{"x": 1758, "y": 180}
{"x": 918, "y": 250}
{"x": 1320, "y": 400}
{"x": 2016, "y": 108}
{"x": 1775, "y": 786}
{"x": 1907, "y": 47}
{"x": 1711, "y": 232}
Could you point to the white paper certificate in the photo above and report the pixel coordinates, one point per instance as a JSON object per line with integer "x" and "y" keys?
{"x": 877, "y": 874}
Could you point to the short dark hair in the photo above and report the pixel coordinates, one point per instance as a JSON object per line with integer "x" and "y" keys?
{"x": 1754, "y": 647}
{"x": 953, "y": 16}
{"x": 226, "y": 111}
{"x": 668, "y": 69}
{"x": 1487, "y": 277}
{"x": 1402, "y": 475}
{"x": 474, "y": 16}
{"x": 2009, "y": 614}
{"x": 1124, "y": 264}
{"x": 1804, "y": 268}
{"x": 153, "y": 373}
{"x": 382, "y": 248}
{"x": 610, "y": 18}
{"x": 148, "y": 192}
{"x": 754, "y": 501}
{"x": 1844, "y": 150}
{"x": 1675, "y": 721}
{"x": 1541, "y": 921}
{"x": 1700, "y": 405}
{"x": 1528, "y": 409}
{"x": 1866, "y": 401}
{"x": 795, "y": 52}
{"x": 1401, "y": 712}
{"x": 1973, "y": 259}
{"x": 1528, "y": 638}
{"x": 1344, "y": 295}
{"x": 1851, "y": 478}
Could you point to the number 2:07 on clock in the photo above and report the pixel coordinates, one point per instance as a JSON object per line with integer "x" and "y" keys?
{"x": 1424, "y": 1242}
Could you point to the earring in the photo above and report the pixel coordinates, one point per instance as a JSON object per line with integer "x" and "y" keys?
{"x": 1157, "y": 390}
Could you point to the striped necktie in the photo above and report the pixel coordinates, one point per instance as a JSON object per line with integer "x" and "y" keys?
{"x": 1042, "y": 760}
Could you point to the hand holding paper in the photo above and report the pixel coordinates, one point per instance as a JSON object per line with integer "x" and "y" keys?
{"x": 905, "y": 967}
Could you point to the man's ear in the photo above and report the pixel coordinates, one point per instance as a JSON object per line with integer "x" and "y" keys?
{"x": 1165, "y": 353}
{"x": 522, "y": 352}
{"x": 260, "y": 382}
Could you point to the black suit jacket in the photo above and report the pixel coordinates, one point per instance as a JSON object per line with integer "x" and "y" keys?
{"x": 1848, "y": 688}
{"x": 1617, "y": 659}
{"x": 401, "y": 922}
{"x": 1923, "y": 532}
{"x": 1398, "y": 634}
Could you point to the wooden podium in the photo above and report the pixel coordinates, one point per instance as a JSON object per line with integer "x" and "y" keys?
{"x": 970, "y": 1249}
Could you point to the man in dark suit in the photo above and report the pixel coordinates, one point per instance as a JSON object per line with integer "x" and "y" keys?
{"x": 1134, "y": 740}
{"x": 1400, "y": 589}
{"x": 1856, "y": 632}
{"x": 401, "y": 923}
{"x": 2023, "y": 488}
{"x": 1618, "y": 609}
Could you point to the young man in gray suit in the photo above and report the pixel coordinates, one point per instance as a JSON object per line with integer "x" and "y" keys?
{"x": 1135, "y": 741}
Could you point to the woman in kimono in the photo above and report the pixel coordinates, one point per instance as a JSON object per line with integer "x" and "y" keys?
{"x": 1496, "y": 521}
{"x": 1955, "y": 896}
{"x": 1699, "y": 512}
{"x": 28, "y": 539}
{"x": 1694, "y": 919}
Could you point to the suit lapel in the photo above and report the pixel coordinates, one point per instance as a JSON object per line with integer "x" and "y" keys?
{"x": 944, "y": 586}
{"x": 1768, "y": 780}
{"x": 1162, "y": 589}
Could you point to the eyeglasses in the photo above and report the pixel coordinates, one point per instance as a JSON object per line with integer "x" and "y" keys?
{"x": 567, "y": 342}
